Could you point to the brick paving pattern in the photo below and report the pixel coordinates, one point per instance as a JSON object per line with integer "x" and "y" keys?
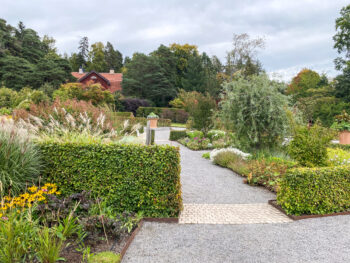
{"x": 259, "y": 213}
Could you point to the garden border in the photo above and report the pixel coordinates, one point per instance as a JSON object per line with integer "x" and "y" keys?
{"x": 275, "y": 205}
{"x": 168, "y": 220}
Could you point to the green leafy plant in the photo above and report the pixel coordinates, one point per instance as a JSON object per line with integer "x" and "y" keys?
{"x": 16, "y": 238}
{"x": 48, "y": 246}
{"x": 309, "y": 145}
{"x": 337, "y": 156}
{"x": 232, "y": 161}
{"x": 315, "y": 190}
{"x": 206, "y": 155}
{"x": 152, "y": 115}
{"x": 105, "y": 257}
{"x": 342, "y": 122}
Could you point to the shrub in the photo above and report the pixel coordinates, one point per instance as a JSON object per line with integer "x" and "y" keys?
{"x": 206, "y": 156}
{"x": 216, "y": 134}
{"x": 19, "y": 159}
{"x": 177, "y": 134}
{"x": 255, "y": 108}
{"x": 268, "y": 172}
{"x": 315, "y": 190}
{"x": 93, "y": 93}
{"x": 130, "y": 177}
{"x": 309, "y": 146}
{"x": 231, "y": 160}
{"x": 194, "y": 134}
{"x": 202, "y": 112}
{"x": 132, "y": 105}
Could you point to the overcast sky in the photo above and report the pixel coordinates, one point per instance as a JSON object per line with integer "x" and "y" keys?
{"x": 298, "y": 33}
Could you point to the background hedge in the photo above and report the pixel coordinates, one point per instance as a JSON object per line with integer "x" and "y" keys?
{"x": 175, "y": 115}
{"x": 176, "y": 135}
{"x": 315, "y": 190}
{"x": 129, "y": 177}
{"x": 134, "y": 120}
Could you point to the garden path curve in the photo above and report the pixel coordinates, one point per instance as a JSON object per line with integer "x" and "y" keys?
{"x": 225, "y": 220}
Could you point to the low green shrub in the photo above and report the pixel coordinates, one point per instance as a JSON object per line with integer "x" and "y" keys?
{"x": 206, "y": 156}
{"x": 132, "y": 178}
{"x": 309, "y": 146}
{"x": 177, "y": 134}
{"x": 268, "y": 172}
{"x": 315, "y": 190}
{"x": 195, "y": 134}
{"x": 232, "y": 161}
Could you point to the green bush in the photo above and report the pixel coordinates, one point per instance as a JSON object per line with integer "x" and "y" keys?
{"x": 337, "y": 156}
{"x": 309, "y": 146}
{"x": 177, "y": 134}
{"x": 153, "y": 135}
{"x": 19, "y": 159}
{"x": 133, "y": 178}
{"x": 232, "y": 161}
{"x": 315, "y": 190}
{"x": 255, "y": 108}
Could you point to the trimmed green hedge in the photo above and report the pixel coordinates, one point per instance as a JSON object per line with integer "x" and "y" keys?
{"x": 176, "y": 135}
{"x": 143, "y": 121}
{"x": 133, "y": 178}
{"x": 174, "y": 114}
{"x": 124, "y": 114}
{"x": 315, "y": 190}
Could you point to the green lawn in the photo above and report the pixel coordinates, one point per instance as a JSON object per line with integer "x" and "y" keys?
{"x": 180, "y": 125}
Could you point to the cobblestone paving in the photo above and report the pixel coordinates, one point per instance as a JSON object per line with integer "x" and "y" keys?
{"x": 231, "y": 214}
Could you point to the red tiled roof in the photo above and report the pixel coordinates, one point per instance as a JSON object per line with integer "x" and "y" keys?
{"x": 115, "y": 79}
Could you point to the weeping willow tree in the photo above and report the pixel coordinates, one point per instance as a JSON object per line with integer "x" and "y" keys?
{"x": 255, "y": 109}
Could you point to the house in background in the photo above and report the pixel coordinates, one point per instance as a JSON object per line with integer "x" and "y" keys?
{"x": 110, "y": 81}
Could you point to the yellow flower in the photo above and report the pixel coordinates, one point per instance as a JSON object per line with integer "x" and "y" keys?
{"x": 33, "y": 189}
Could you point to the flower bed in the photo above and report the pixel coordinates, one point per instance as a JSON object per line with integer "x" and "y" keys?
{"x": 195, "y": 140}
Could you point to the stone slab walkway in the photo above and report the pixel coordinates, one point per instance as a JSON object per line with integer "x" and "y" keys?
{"x": 231, "y": 214}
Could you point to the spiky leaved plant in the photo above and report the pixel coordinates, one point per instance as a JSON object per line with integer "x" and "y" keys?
{"x": 19, "y": 158}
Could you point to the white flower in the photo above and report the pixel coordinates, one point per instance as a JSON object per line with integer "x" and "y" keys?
{"x": 233, "y": 150}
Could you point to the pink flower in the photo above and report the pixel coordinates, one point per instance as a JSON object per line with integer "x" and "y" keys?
{"x": 4, "y": 218}
{"x": 195, "y": 138}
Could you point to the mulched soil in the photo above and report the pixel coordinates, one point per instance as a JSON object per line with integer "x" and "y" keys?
{"x": 96, "y": 245}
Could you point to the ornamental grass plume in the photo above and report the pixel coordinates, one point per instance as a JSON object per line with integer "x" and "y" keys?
{"x": 20, "y": 161}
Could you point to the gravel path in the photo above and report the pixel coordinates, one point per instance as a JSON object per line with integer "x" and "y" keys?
{"x": 206, "y": 183}
{"x": 311, "y": 240}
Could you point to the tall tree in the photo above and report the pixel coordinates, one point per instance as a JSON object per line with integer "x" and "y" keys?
{"x": 144, "y": 78}
{"x": 114, "y": 59}
{"x": 83, "y": 52}
{"x": 97, "y": 59}
{"x": 242, "y": 57}
{"x": 342, "y": 38}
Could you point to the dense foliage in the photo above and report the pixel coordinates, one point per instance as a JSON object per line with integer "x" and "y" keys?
{"x": 177, "y": 134}
{"x": 255, "y": 109}
{"x": 315, "y": 190}
{"x": 28, "y": 60}
{"x": 309, "y": 145}
{"x": 129, "y": 177}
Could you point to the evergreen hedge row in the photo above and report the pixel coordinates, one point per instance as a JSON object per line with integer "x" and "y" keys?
{"x": 133, "y": 178}
{"x": 174, "y": 114}
{"x": 177, "y": 134}
{"x": 323, "y": 190}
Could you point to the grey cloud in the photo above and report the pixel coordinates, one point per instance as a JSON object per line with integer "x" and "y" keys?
{"x": 298, "y": 33}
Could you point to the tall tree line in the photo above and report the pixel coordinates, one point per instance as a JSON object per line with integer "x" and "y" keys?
{"x": 28, "y": 60}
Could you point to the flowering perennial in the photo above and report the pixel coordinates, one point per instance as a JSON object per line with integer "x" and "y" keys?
{"x": 233, "y": 150}
{"x": 35, "y": 194}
